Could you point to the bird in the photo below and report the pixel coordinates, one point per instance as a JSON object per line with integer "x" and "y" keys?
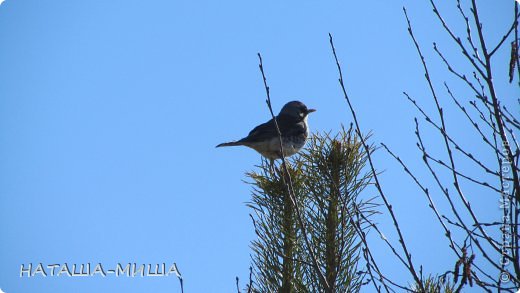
{"x": 292, "y": 122}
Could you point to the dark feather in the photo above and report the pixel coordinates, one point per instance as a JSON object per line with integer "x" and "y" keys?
{"x": 232, "y": 143}
{"x": 289, "y": 126}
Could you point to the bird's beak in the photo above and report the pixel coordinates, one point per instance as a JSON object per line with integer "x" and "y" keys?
{"x": 310, "y": 111}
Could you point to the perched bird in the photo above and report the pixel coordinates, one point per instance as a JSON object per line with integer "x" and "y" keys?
{"x": 264, "y": 138}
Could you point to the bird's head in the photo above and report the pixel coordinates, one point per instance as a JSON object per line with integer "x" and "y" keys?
{"x": 296, "y": 109}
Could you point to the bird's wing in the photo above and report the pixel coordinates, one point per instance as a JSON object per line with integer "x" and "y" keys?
{"x": 265, "y": 131}
{"x": 261, "y": 132}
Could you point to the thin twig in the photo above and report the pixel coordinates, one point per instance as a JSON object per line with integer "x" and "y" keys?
{"x": 408, "y": 255}
{"x": 456, "y": 183}
{"x": 457, "y": 146}
{"x": 463, "y": 77}
{"x": 468, "y": 32}
{"x": 430, "y": 200}
{"x": 499, "y": 122}
{"x": 289, "y": 184}
{"x": 456, "y": 39}
{"x": 473, "y": 123}
{"x": 506, "y": 35}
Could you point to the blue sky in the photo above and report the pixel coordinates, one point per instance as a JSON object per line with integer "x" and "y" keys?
{"x": 110, "y": 111}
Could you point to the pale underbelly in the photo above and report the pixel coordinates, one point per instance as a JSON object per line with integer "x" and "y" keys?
{"x": 271, "y": 149}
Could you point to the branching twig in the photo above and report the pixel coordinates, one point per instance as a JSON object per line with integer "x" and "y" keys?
{"x": 506, "y": 35}
{"x": 456, "y": 39}
{"x": 408, "y": 255}
{"x": 430, "y": 200}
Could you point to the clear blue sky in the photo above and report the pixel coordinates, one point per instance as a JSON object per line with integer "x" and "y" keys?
{"x": 110, "y": 111}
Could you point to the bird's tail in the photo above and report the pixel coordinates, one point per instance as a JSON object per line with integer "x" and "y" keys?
{"x": 233, "y": 143}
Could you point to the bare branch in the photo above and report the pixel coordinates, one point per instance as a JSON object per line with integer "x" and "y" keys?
{"x": 473, "y": 123}
{"x": 489, "y": 80}
{"x": 430, "y": 200}
{"x": 457, "y": 147}
{"x": 506, "y": 35}
{"x": 456, "y": 39}
{"x": 408, "y": 255}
